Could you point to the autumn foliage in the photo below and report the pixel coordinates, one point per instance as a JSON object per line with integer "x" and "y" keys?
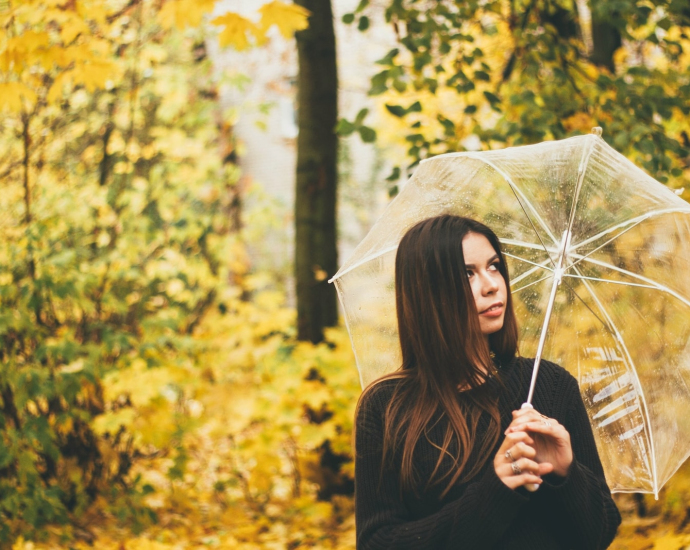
{"x": 126, "y": 334}
{"x": 152, "y": 391}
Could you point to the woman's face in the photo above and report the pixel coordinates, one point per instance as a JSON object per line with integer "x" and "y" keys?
{"x": 488, "y": 285}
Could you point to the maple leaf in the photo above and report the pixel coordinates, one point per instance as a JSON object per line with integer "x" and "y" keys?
{"x": 184, "y": 13}
{"x": 73, "y": 27}
{"x": 12, "y": 95}
{"x": 289, "y": 18}
{"x": 56, "y": 89}
{"x": 235, "y": 32}
{"x": 94, "y": 75}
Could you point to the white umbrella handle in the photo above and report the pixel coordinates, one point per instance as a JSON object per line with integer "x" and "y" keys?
{"x": 557, "y": 278}
{"x": 531, "y": 487}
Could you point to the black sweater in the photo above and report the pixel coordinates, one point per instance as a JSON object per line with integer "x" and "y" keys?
{"x": 576, "y": 512}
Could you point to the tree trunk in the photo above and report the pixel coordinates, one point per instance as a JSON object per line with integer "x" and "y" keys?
{"x": 606, "y": 39}
{"x": 316, "y": 256}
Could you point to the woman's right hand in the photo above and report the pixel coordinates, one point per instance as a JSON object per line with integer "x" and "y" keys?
{"x": 514, "y": 464}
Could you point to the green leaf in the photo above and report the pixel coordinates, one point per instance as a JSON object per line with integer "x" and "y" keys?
{"x": 470, "y": 109}
{"x": 621, "y": 140}
{"x": 482, "y": 75}
{"x": 388, "y": 58}
{"x": 348, "y": 18}
{"x": 361, "y": 116}
{"x": 362, "y": 5}
{"x": 396, "y": 110}
{"x": 646, "y": 146}
{"x": 367, "y": 134}
{"x": 394, "y": 175}
{"x": 448, "y": 126}
{"x": 415, "y": 138}
{"x": 363, "y": 23}
{"x": 416, "y": 107}
{"x": 421, "y": 60}
{"x": 399, "y": 85}
{"x": 344, "y": 128}
{"x": 492, "y": 98}
{"x": 379, "y": 83}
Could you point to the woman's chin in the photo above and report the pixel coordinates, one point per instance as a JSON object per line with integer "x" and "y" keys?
{"x": 489, "y": 326}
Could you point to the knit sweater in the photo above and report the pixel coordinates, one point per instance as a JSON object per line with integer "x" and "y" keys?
{"x": 575, "y": 512}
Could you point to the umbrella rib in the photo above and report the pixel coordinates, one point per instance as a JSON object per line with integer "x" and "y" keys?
{"x": 651, "y": 282}
{"x": 619, "y": 338}
{"x": 609, "y": 281}
{"x": 581, "y": 169}
{"x": 365, "y": 260}
{"x": 532, "y": 246}
{"x": 530, "y": 284}
{"x": 604, "y": 323}
{"x": 633, "y": 221}
{"x": 515, "y": 257}
{"x": 528, "y": 273}
{"x": 515, "y": 190}
{"x": 604, "y": 244}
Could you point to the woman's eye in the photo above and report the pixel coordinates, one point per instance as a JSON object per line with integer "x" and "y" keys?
{"x": 494, "y": 267}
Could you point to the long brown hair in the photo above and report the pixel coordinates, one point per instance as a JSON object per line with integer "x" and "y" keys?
{"x": 443, "y": 349}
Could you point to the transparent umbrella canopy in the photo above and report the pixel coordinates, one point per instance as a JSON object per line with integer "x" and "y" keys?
{"x": 576, "y": 212}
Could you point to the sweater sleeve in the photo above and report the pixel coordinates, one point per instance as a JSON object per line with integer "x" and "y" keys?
{"x": 588, "y": 512}
{"x": 476, "y": 520}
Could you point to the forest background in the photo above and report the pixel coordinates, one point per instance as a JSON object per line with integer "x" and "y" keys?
{"x": 155, "y": 391}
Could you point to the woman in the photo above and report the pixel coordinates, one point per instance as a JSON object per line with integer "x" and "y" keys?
{"x": 444, "y": 453}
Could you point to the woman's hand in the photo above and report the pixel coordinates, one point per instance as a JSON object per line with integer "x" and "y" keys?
{"x": 514, "y": 462}
{"x": 551, "y": 439}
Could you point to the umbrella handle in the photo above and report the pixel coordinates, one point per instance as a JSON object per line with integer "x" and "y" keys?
{"x": 531, "y": 487}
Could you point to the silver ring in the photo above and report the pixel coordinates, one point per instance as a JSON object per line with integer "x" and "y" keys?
{"x": 516, "y": 469}
{"x": 546, "y": 423}
{"x": 509, "y": 456}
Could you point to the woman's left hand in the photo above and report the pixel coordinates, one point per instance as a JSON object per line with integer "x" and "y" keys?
{"x": 551, "y": 439}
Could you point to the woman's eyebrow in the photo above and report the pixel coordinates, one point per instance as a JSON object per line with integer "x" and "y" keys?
{"x": 472, "y": 266}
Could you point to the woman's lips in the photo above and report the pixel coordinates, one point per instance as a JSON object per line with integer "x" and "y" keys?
{"x": 493, "y": 311}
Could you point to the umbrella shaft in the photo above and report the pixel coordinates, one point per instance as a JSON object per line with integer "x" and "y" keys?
{"x": 557, "y": 277}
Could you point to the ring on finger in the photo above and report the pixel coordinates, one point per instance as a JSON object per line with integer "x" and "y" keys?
{"x": 516, "y": 469}
{"x": 509, "y": 456}
{"x": 546, "y": 423}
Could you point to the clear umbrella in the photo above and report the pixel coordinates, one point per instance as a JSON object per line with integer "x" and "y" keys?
{"x": 578, "y": 213}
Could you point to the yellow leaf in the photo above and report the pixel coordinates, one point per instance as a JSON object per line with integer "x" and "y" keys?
{"x": 72, "y": 28}
{"x": 12, "y": 95}
{"x": 29, "y": 41}
{"x": 23, "y": 51}
{"x": 671, "y": 542}
{"x": 287, "y": 17}
{"x": 49, "y": 57}
{"x": 184, "y": 13}
{"x": 235, "y": 32}
{"x": 93, "y": 75}
{"x": 95, "y": 11}
{"x": 579, "y": 121}
{"x": 57, "y": 88}
{"x": 111, "y": 421}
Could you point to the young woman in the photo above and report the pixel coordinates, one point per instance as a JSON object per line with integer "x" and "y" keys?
{"x": 444, "y": 454}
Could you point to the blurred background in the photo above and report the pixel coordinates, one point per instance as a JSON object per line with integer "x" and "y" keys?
{"x": 179, "y": 180}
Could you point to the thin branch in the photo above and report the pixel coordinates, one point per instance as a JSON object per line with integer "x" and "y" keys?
{"x": 10, "y": 169}
{"x": 508, "y": 69}
{"x": 132, "y": 3}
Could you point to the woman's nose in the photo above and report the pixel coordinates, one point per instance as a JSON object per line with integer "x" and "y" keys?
{"x": 490, "y": 285}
